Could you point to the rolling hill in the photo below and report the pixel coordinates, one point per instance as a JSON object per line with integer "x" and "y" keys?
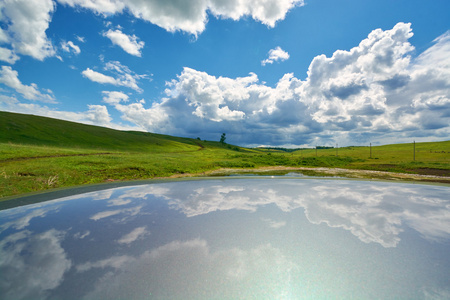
{"x": 43, "y": 131}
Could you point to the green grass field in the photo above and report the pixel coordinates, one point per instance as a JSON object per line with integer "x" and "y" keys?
{"x": 38, "y": 153}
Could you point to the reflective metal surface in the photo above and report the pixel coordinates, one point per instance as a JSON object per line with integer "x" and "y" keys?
{"x": 252, "y": 238}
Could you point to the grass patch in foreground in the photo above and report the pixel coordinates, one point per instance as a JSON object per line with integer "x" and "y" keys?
{"x": 29, "y": 175}
{"x": 57, "y": 167}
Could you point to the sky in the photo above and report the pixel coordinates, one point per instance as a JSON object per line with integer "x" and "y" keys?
{"x": 286, "y": 73}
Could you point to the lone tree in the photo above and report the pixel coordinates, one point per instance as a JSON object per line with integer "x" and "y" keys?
{"x": 223, "y": 137}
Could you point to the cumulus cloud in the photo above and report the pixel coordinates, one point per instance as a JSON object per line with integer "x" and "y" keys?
{"x": 10, "y": 78}
{"x": 197, "y": 103}
{"x": 351, "y": 83}
{"x": 123, "y": 76}
{"x": 114, "y": 97}
{"x": 98, "y": 114}
{"x": 375, "y": 91}
{"x": 70, "y": 47}
{"x": 191, "y": 16}
{"x": 7, "y": 55}
{"x": 267, "y": 12}
{"x": 26, "y": 22}
{"x": 430, "y": 80}
{"x": 3, "y": 36}
{"x": 106, "y": 7}
{"x": 276, "y": 54}
{"x": 99, "y": 77}
{"x": 129, "y": 44}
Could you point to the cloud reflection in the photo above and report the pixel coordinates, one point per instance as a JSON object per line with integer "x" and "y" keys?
{"x": 180, "y": 269}
{"x": 24, "y": 221}
{"x": 154, "y": 241}
{"x": 134, "y": 235}
{"x": 128, "y": 212}
{"x": 374, "y": 212}
{"x": 31, "y": 265}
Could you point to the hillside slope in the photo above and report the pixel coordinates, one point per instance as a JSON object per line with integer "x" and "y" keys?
{"x": 42, "y": 131}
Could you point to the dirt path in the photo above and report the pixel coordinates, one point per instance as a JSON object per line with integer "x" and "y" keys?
{"x": 349, "y": 173}
{"x": 51, "y": 156}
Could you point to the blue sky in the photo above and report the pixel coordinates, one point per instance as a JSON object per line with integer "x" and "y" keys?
{"x": 280, "y": 73}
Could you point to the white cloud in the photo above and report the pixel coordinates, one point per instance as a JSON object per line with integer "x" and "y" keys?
{"x": 275, "y": 224}
{"x": 98, "y": 114}
{"x": 267, "y": 12}
{"x": 27, "y": 21}
{"x": 114, "y": 97}
{"x": 348, "y": 90}
{"x": 99, "y": 77}
{"x": 191, "y": 16}
{"x": 81, "y": 39}
{"x": 124, "y": 76}
{"x": 430, "y": 77}
{"x": 3, "y": 36}
{"x": 8, "y": 55}
{"x": 106, "y": 7}
{"x": 70, "y": 46}
{"x": 129, "y": 44}
{"x": 200, "y": 103}
{"x": 276, "y": 54}
{"x": 10, "y": 78}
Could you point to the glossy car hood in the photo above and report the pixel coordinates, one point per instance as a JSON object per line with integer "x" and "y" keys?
{"x": 241, "y": 238}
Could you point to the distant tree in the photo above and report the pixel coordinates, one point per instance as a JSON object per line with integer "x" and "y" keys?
{"x": 223, "y": 137}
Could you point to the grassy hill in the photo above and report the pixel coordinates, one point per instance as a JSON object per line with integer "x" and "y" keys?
{"x": 42, "y": 131}
{"x": 38, "y": 153}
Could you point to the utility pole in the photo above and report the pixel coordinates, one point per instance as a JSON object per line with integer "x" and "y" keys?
{"x": 370, "y": 150}
{"x": 336, "y": 149}
{"x": 414, "y": 151}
